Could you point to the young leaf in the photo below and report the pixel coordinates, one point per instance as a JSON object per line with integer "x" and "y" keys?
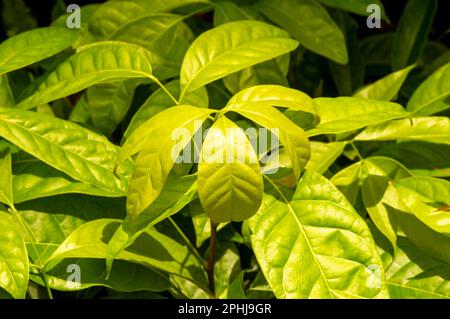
{"x": 429, "y": 129}
{"x": 160, "y": 145}
{"x": 324, "y": 240}
{"x": 229, "y": 48}
{"x": 93, "y": 64}
{"x": 433, "y": 95}
{"x": 346, "y": 114}
{"x": 6, "y": 193}
{"x": 32, "y": 46}
{"x": 78, "y": 152}
{"x": 290, "y": 135}
{"x": 387, "y": 88}
{"x": 13, "y": 258}
{"x": 412, "y": 32}
{"x": 310, "y": 24}
{"x": 230, "y": 185}
{"x": 274, "y": 95}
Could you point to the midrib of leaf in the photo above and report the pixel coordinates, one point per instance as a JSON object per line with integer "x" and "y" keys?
{"x": 293, "y": 21}
{"x": 231, "y": 51}
{"x": 300, "y": 226}
{"x": 432, "y": 101}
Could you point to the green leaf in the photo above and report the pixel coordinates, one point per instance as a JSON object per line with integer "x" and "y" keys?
{"x": 164, "y": 35}
{"x": 429, "y": 129}
{"x": 356, "y": 6}
{"x": 290, "y": 135}
{"x": 6, "y": 94}
{"x": 16, "y": 17}
{"x": 225, "y": 11}
{"x": 268, "y": 72}
{"x": 13, "y": 258}
{"x": 427, "y": 198}
{"x": 151, "y": 249}
{"x": 92, "y": 64}
{"x": 346, "y": 114}
{"x": 125, "y": 276}
{"x": 350, "y": 76}
{"x": 230, "y": 185}
{"x": 201, "y": 223}
{"x": 235, "y": 290}
{"x": 416, "y": 275}
{"x": 6, "y": 193}
{"x": 420, "y": 158}
{"x": 32, "y": 46}
{"x": 242, "y": 44}
{"x": 412, "y": 32}
{"x": 432, "y": 96}
{"x": 327, "y": 250}
{"x": 176, "y": 193}
{"x": 227, "y": 267}
{"x": 433, "y": 243}
{"x": 162, "y": 137}
{"x": 310, "y": 24}
{"x": 348, "y": 181}
{"x": 274, "y": 95}
{"x": 323, "y": 155}
{"x": 115, "y": 15}
{"x": 78, "y": 152}
{"x": 160, "y": 101}
{"x": 386, "y": 88}
{"x": 109, "y": 103}
{"x": 379, "y": 174}
{"x": 34, "y": 179}
{"x": 48, "y": 221}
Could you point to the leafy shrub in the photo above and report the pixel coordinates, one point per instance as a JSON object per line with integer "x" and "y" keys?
{"x": 284, "y": 151}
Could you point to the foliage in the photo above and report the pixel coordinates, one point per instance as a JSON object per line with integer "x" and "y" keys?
{"x": 225, "y": 149}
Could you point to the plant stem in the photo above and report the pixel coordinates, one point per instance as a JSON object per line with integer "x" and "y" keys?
{"x": 357, "y": 151}
{"x": 164, "y": 89}
{"x": 49, "y": 291}
{"x": 212, "y": 256}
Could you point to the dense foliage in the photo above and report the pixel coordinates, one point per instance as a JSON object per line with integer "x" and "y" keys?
{"x": 228, "y": 149}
